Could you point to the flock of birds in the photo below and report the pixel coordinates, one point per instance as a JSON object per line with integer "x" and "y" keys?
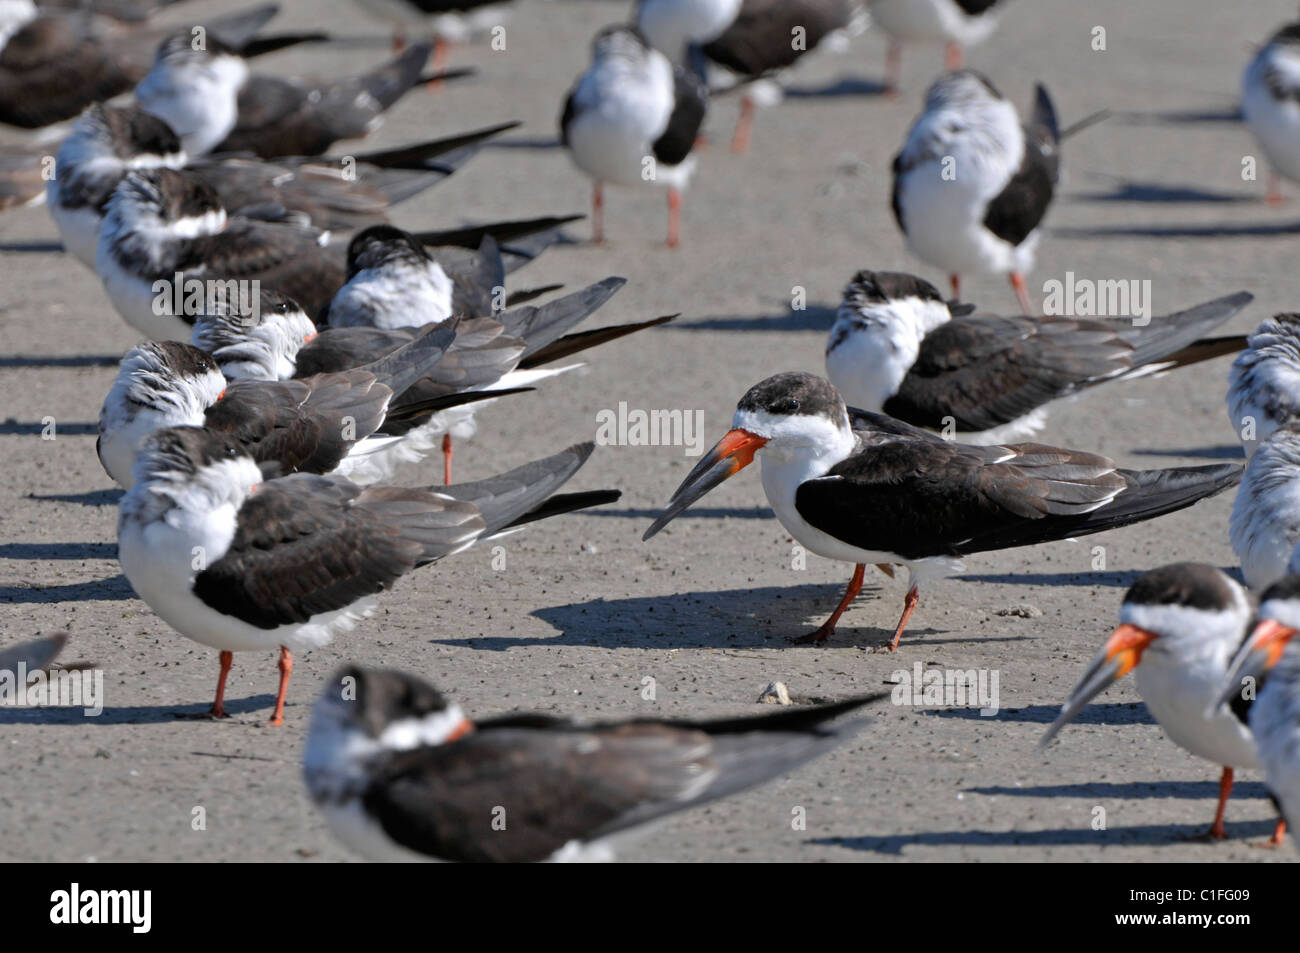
{"x": 305, "y": 347}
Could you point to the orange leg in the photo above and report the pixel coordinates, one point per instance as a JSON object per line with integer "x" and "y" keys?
{"x": 674, "y": 218}
{"x": 597, "y": 214}
{"x": 955, "y": 281}
{"x": 1279, "y": 832}
{"x": 446, "y": 459}
{"x": 744, "y": 126}
{"x": 1022, "y": 293}
{"x": 1274, "y": 196}
{"x": 286, "y": 668}
{"x": 893, "y": 67}
{"x": 218, "y": 705}
{"x": 909, "y": 603}
{"x": 827, "y": 628}
{"x": 1216, "y": 831}
{"x": 952, "y": 58}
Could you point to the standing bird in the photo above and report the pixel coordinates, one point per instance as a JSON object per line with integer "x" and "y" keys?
{"x": 633, "y": 118}
{"x": 754, "y": 39}
{"x": 107, "y": 142}
{"x": 1270, "y": 105}
{"x": 55, "y": 64}
{"x": 243, "y": 563}
{"x": 401, "y": 774}
{"x": 1264, "y": 381}
{"x": 865, "y": 488}
{"x": 214, "y": 104}
{"x": 972, "y": 184}
{"x": 1265, "y": 522}
{"x": 1271, "y": 656}
{"x": 897, "y": 347}
{"x": 955, "y": 23}
{"x": 1183, "y": 623}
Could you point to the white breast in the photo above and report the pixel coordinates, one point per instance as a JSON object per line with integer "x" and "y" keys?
{"x": 1274, "y": 123}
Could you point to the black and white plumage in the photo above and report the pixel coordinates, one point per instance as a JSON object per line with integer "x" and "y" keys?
{"x": 955, "y": 23}
{"x": 212, "y": 101}
{"x": 1267, "y": 670}
{"x": 897, "y": 347}
{"x": 865, "y": 488}
{"x": 632, "y": 118}
{"x": 241, "y": 563}
{"x": 324, "y": 423}
{"x": 56, "y": 63}
{"x": 1180, "y": 627}
{"x": 109, "y": 141}
{"x": 400, "y": 772}
{"x": 168, "y": 226}
{"x": 1265, "y": 523}
{"x": 1264, "y": 381}
{"x": 753, "y": 39}
{"x": 972, "y": 184}
{"x": 163, "y": 223}
{"x": 1270, "y": 105}
{"x": 507, "y": 350}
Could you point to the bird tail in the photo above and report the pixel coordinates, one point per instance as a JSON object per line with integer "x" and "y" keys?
{"x": 541, "y": 325}
{"x": 1177, "y": 337}
{"x": 582, "y": 340}
{"x": 387, "y": 84}
{"x": 510, "y": 498}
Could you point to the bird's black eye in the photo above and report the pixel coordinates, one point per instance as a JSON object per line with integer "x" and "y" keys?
{"x": 786, "y": 405}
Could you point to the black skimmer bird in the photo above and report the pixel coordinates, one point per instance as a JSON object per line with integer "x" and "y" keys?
{"x": 865, "y": 488}
{"x": 754, "y": 39}
{"x": 242, "y": 563}
{"x": 972, "y": 184}
{"x": 1265, "y": 522}
{"x": 956, "y": 24}
{"x": 1264, "y": 382}
{"x": 1270, "y": 105}
{"x": 59, "y": 62}
{"x": 400, "y": 772}
{"x": 507, "y": 350}
{"x": 165, "y": 228}
{"x": 1266, "y": 675}
{"x": 215, "y": 105}
{"x": 325, "y": 423}
{"x": 1180, "y": 626}
{"x": 109, "y": 141}
{"x": 897, "y": 347}
{"x": 631, "y": 119}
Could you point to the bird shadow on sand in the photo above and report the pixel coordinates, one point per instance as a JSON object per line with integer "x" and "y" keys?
{"x": 524, "y": 142}
{"x": 134, "y": 714}
{"x": 1161, "y": 193}
{"x": 28, "y": 248}
{"x": 1129, "y": 790}
{"x": 1210, "y": 114}
{"x": 1117, "y": 579}
{"x": 110, "y": 497}
{"x": 58, "y": 550}
{"x": 1224, "y": 452}
{"x": 708, "y": 512}
{"x": 813, "y": 318}
{"x": 1261, "y": 230}
{"x": 60, "y": 360}
{"x": 1142, "y": 835}
{"x": 1104, "y": 713}
{"x": 845, "y": 86}
{"x": 766, "y": 617}
{"x": 112, "y": 589}
{"x": 20, "y": 429}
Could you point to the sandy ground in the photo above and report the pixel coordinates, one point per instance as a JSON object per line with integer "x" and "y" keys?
{"x": 584, "y": 612}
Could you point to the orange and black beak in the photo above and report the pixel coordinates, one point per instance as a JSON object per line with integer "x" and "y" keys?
{"x": 1121, "y": 653}
{"x": 1258, "y": 654}
{"x": 729, "y": 455}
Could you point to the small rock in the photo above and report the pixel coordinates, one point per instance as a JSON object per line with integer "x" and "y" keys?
{"x": 1022, "y": 611}
{"x": 775, "y": 694}
{"x": 589, "y": 548}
